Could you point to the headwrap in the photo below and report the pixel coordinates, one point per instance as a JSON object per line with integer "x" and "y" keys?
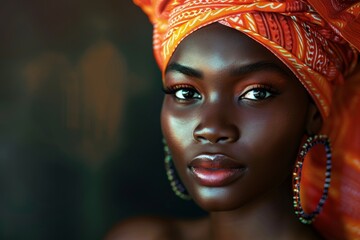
{"x": 318, "y": 40}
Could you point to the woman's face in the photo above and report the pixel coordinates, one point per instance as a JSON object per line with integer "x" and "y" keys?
{"x": 233, "y": 118}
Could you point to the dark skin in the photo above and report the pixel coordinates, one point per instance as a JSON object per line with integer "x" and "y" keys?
{"x": 228, "y": 95}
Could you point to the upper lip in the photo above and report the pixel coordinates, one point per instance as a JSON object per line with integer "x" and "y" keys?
{"x": 215, "y": 161}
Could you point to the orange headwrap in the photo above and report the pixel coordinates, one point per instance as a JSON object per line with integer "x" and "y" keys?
{"x": 319, "y": 41}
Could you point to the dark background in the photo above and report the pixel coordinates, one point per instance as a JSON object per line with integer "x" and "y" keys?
{"x": 80, "y": 139}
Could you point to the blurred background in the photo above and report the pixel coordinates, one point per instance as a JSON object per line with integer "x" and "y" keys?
{"x": 80, "y": 139}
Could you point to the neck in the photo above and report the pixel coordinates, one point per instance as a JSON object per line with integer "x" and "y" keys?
{"x": 270, "y": 217}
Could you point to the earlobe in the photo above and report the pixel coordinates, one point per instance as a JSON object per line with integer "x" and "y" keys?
{"x": 314, "y": 120}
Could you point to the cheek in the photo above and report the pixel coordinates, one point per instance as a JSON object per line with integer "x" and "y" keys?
{"x": 274, "y": 139}
{"x": 177, "y": 128}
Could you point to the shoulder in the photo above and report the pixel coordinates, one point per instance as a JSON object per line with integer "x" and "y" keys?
{"x": 154, "y": 228}
{"x": 141, "y": 228}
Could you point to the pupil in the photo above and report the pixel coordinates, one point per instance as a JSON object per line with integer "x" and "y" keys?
{"x": 188, "y": 93}
{"x": 259, "y": 94}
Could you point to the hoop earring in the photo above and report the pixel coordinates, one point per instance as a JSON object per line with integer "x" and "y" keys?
{"x": 308, "y": 218}
{"x": 175, "y": 183}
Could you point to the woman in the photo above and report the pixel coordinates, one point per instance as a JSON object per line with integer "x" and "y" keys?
{"x": 250, "y": 88}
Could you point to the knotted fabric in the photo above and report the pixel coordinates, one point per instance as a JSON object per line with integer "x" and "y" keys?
{"x": 318, "y": 40}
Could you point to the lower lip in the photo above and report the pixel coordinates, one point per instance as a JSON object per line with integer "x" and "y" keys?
{"x": 216, "y": 177}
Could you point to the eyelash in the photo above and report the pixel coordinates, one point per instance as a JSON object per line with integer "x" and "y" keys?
{"x": 172, "y": 90}
{"x": 273, "y": 92}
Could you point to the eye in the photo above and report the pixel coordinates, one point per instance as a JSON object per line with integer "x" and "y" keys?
{"x": 258, "y": 93}
{"x": 183, "y": 92}
{"x": 187, "y": 93}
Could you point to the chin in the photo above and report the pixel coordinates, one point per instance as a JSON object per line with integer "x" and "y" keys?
{"x": 213, "y": 199}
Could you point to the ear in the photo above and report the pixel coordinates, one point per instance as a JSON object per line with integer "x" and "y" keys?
{"x": 314, "y": 120}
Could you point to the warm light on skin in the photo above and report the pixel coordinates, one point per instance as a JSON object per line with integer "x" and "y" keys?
{"x": 265, "y": 135}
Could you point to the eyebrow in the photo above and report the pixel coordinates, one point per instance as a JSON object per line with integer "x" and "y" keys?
{"x": 237, "y": 71}
{"x": 259, "y": 66}
{"x": 191, "y": 72}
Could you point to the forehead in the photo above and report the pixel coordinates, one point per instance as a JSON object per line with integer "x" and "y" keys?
{"x": 217, "y": 47}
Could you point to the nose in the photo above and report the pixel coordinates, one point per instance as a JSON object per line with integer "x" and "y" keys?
{"x": 216, "y": 125}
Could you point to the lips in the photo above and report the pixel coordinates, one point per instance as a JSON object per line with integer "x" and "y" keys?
{"x": 215, "y": 170}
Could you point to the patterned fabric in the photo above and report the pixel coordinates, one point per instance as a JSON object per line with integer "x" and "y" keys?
{"x": 320, "y": 47}
{"x": 292, "y": 30}
{"x": 343, "y": 16}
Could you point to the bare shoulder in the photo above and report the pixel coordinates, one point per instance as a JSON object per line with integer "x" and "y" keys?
{"x": 151, "y": 228}
{"x": 140, "y": 228}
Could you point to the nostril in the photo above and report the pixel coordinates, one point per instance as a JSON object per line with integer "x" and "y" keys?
{"x": 223, "y": 140}
{"x": 201, "y": 139}
{"x": 203, "y": 136}
{"x": 215, "y": 136}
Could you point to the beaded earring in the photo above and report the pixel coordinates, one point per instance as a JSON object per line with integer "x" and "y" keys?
{"x": 308, "y": 218}
{"x": 175, "y": 183}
